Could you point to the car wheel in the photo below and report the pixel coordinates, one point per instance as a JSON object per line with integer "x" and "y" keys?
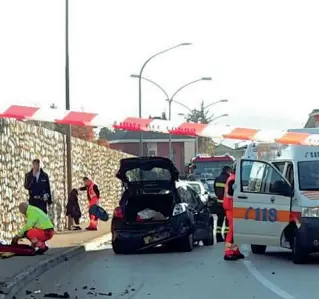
{"x": 187, "y": 243}
{"x": 299, "y": 256}
{"x": 209, "y": 241}
{"x": 258, "y": 249}
{"x": 119, "y": 248}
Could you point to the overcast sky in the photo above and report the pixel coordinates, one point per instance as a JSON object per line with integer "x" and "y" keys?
{"x": 262, "y": 55}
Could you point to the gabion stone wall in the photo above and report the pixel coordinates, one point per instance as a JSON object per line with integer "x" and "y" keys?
{"x": 20, "y": 143}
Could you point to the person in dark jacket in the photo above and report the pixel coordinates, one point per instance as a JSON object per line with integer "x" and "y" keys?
{"x": 37, "y": 183}
{"x": 219, "y": 187}
{"x": 73, "y": 211}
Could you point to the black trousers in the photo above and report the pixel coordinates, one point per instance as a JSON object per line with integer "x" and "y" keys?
{"x": 39, "y": 203}
{"x": 221, "y": 217}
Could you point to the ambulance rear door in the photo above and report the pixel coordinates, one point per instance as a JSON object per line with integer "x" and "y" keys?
{"x": 262, "y": 201}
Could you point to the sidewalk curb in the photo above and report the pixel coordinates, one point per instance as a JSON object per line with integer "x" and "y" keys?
{"x": 19, "y": 281}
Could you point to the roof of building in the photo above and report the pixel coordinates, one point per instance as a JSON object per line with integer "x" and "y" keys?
{"x": 226, "y": 147}
{"x": 135, "y": 135}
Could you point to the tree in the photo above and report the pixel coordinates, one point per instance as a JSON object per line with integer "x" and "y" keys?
{"x": 103, "y": 143}
{"x": 83, "y": 132}
{"x": 201, "y": 115}
{"x": 105, "y": 134}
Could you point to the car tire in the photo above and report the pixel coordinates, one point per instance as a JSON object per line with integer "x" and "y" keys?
{"x": 119, "y": 248}
{"x": 258, "y": 249}
{"x": 299, "y": 256}
{"x": 187, "y": 243}
{"x": 210, "y": 240}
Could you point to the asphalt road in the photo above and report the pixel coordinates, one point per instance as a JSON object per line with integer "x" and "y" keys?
{"x": 200, "y": 274}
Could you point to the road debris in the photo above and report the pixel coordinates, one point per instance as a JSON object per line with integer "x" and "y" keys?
{"x": 56, "y": 295}
{"x": 106, "y": 294}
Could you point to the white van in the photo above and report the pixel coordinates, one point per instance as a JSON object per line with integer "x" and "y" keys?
{"x": 276, "y": 203}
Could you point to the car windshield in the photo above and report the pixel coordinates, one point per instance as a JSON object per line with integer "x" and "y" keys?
{"x": 196, "y": 187}
{"x": 308, "y": 173}
{"x": 209, "y": 185}
{"x": 154, "y": 174}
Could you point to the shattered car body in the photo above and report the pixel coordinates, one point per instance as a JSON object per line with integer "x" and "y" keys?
{"x": 151, "y": 210}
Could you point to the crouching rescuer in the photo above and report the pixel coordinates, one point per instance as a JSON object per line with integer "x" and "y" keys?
{"x": 38, "y": 228}
{"x": 232, "y": 252}
{"x": 219, "y": 188}
{"x": 93, "y": 194}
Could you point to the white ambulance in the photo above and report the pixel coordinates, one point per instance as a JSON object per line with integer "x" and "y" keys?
{"x": 276, "y": 198}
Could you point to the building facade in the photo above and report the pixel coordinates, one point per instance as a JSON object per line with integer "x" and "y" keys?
{"x": 155, "y": 144}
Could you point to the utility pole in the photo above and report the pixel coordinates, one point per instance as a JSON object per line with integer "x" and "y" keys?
{"x": 67, "y": 100}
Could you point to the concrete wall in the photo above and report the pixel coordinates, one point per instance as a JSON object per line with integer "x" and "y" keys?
{"x": 161, "y": 150}
{"x": 178, "y": 153}
{"x": 21, "y": 143}
{"x": 189, "y": 150}
{"x": 222, "y": 150}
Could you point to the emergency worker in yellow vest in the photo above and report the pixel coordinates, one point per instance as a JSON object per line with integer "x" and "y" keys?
{"x": 232, "y": 252}
{"x": 219, "y": 187}
{"x": 93, "y": 194}
{"x": 38, "y": 228}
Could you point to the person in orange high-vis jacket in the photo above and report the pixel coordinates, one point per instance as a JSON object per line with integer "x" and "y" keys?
{"x": 232, "y": 252}
{"x": 93, "y": 194}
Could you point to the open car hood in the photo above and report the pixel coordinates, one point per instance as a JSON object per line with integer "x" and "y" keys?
{"x": 133, "y": 169}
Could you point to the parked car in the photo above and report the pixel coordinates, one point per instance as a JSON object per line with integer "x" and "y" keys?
{"x": 200, "y": 190}
{"x": 157, "y": 209}
{"x": 212, "y": 198}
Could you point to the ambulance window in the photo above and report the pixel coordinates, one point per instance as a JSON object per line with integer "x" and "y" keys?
{"x": 252, "y": 174}
{"x": 275, "y": 183}
{"x": 259, "y": 177}
{"x": 280, "y": 166}
{"x": 290, "y": 174}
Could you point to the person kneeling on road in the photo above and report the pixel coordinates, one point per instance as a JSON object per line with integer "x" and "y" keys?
{"x": 38, "y": 228}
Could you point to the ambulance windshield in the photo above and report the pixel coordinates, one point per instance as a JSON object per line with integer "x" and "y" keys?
{"x": 308, "y": 172}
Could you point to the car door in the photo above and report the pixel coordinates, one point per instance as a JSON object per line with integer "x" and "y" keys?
{"x": 261, "y": 203}
{"x": 201, "y": 214}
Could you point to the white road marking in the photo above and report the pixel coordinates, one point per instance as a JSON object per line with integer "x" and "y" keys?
{"x": 263, "y": 280}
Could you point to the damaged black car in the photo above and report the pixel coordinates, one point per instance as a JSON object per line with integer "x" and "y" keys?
{"x": 155, "y": 209}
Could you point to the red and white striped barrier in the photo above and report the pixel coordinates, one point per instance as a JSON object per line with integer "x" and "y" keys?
{"x": 155, "y": 125}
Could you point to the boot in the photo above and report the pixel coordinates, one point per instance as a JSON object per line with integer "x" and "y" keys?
{"x": 219, "y": 238}
{"x": 239, "y": 254}
{"x": 231, "y": 257}
{"x": 41, "y": 251}
{"x": 91, "y": 228}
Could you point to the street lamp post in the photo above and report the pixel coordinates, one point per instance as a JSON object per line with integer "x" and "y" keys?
{"x": 170, "y": 100}
{"x": 170, "y": 107}
{"x": 67, "y": 100}
{"x": 140, "y": 88}
{"x": 190, "y": 110}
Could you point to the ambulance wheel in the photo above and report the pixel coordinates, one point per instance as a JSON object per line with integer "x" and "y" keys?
{"x": 258, "y": 249}
{"x": 299, "y": 256}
